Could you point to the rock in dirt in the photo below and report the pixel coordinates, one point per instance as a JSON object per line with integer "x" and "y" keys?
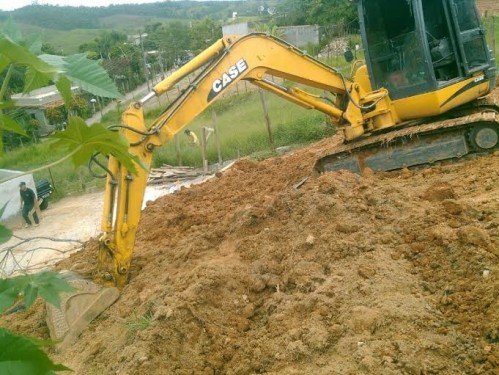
{"x": 439, "y": 192}
{"x": 471, "y": 235}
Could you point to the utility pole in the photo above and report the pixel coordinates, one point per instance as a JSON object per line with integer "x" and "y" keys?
{"x": 145, "y": 61}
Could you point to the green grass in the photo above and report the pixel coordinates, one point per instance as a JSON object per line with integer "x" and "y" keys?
{"x": 242, "y": 129}
{"x": 139, "y": 323}
{"x": 66, "y": 179}
{"x": 63, "y": 41}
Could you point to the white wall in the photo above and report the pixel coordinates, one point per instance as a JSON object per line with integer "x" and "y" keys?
{"x": 9, "y": 192}
{"x": 237, "y": 29}
{"x": 300, "y": 36}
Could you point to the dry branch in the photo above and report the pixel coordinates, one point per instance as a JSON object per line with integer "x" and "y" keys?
{"x": 7, "y": 254}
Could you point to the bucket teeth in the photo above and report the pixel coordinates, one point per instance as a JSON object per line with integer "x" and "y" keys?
{"x": 77, "y": 309}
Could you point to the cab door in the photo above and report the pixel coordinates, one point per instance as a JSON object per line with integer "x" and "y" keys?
{"x": 470, "y": 36}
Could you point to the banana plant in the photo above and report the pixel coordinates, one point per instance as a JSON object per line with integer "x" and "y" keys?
{"x": 41, "y": 70}
{"x": 80, "y": 140}
{"x": 23, "y": 355}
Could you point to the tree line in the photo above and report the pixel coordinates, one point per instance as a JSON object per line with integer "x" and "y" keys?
{"x": 69, "y": 18}
{"x": 284, "y": 12}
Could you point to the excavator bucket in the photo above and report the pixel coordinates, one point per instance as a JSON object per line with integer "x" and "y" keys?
{"x": 77, "y": 309}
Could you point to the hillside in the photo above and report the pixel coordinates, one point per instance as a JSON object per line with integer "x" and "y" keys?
{"x": 388, "y": 273}
{"x": 66, "y": 28}
{"x": 69, "y": 18}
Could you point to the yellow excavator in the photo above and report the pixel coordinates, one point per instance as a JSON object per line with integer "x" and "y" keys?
{"x": 420, "y": 96}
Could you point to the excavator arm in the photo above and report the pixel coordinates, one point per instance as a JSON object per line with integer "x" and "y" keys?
{"x": 253, "y": 58}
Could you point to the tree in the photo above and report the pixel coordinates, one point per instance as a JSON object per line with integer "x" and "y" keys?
{"x": 80, "y": 141}
{"x": 320, "y": 12}
{"x": 22, "y": 355}
{"x": 91, "y": 49}
{"x": 55, "y": 115}
{"x": 204, "y": 33}
{"x": 17, "y": 52}
{"x": 174, "y": 41}
{"x": 104, "y": 43}
{"x": 49, "y": 49}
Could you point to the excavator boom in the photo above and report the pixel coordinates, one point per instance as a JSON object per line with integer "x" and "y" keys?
{"x": 253, "y": 58}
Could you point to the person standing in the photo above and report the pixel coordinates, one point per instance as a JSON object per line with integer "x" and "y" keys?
{"x": 193, "y": 139}
{"x": 28, "y": 204}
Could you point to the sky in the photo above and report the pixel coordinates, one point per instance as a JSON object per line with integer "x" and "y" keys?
{"x": 14, "y": 4}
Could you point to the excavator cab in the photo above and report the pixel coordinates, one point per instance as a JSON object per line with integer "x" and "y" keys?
{"x": 419, "y": 46}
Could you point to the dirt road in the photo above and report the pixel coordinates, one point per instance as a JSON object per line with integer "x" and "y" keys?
{"x": 64, "y": 227}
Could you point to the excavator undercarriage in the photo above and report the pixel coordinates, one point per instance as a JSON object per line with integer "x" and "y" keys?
{"x": 463, "y": 131}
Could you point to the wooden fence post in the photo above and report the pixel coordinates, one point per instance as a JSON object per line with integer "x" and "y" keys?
{"x": 177, "y": 149}
{"x": 203, "y": 149}
{"x": 267, "y": 119}
{"x": 217, "y": 138}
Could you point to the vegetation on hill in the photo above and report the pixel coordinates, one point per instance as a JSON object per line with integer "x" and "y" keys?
{"x": 285, "y": 12}
{"x": 68, "y": 18}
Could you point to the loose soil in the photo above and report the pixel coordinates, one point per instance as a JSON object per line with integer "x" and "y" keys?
{"x": 249, "y": 273}
{"x": 386, "y": 273}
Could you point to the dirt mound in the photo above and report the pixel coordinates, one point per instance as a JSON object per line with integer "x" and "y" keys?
{"x": 390, "y": 273}
{"x": 249, "y": 273}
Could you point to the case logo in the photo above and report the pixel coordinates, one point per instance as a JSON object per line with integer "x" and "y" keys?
{"x": 227, "y": 78}
{"x": 479, "y": 78}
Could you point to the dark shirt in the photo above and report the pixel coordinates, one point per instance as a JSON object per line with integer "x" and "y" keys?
{"x": 28, "y": 197}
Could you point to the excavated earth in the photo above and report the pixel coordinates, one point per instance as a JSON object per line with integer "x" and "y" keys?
{"x": 260, "y": 272}
{"x": 385, "y": 273}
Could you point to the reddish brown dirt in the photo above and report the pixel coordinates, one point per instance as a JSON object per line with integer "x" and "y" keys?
{"x": 393, "y": 273}
{"x": 386, "y": 273}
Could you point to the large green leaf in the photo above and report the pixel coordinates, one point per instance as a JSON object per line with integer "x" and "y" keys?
{"x": 86, "y": 73}
{"x": 47, "y": 285}
{"x": 9, "y": 124}
{"x": 33, "y": 42}
{"x": 11, "y": 31}
{"x": 7, "y": 104}
{"x": 23, "y": 356}
{"x": 5, "y": 233}
{"x": 64, "y": 86}
{"x": 86, "y": 140}
{"x": 21, "y": 56}
{"x": 4, "y": 62}
{"x": 35, "y": 79}
{"x": 10, "y": 289}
